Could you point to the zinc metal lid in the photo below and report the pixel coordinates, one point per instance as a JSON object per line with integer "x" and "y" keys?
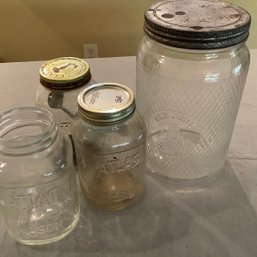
{"x": 197, "y": 24}
{"x": 64, "y": 73}
{"x": 106, "y": 102}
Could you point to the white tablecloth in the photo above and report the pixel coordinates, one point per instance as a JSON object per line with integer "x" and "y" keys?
{"x": 213, "y": 218}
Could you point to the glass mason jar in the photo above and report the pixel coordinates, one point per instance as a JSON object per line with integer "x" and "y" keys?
{"x": 38, "y": 195}
{"x": 110, "y": 142}
{"x": 191, "y": 71}
{"x": 62, "y": 79}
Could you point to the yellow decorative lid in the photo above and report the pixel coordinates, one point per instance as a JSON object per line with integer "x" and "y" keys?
{"x": 64, "y": 73}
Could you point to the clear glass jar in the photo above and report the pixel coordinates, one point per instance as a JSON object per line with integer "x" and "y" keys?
{"x": 191, "y": 72}
{"x": 110, "y": 142}
{"x": 62, "y": 79}
{"x": 38, "y": 193}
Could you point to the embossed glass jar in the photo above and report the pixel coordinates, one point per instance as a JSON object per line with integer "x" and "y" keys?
{"x": 110, "y": 141}
{"x": 62, "y": 79}
{"x": 38, "y": 195}
{"x": 192, "y": 66}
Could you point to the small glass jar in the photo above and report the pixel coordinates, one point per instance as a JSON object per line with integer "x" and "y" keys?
{"x": 192, "y": 66}
{"x": 110, "y": 142}
{"x": 38, "y": 193}
{"x": 62, "y": 79}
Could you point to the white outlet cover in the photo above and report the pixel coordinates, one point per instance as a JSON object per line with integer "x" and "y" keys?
{"x": 90, "y": 50}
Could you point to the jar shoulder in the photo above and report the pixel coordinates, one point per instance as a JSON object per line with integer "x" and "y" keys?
{"x": 159, "y": 60}
{"x": 150, "y": 47}
{"x": 44, "y": 94}
{"x": 125, "y": 134}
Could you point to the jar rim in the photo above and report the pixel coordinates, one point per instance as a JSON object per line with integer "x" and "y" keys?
{"x": 25, "y": 130}
{"x": 196, "y": 51}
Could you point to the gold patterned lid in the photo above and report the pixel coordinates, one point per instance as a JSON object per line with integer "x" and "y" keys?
{"x": 64, "y": 73}
{"x": 106, "y": 102}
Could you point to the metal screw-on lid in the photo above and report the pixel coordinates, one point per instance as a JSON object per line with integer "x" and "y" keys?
{"x": 106, "y": 102}
{"x": 64, "y": 73}
{"x": 197, "y": 24}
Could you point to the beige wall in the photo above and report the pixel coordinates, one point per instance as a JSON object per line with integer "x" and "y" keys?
{"x": 40, "y": 30}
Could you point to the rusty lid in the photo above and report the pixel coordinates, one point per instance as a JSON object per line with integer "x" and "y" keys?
{"x": 197, "y": 24}
{"x": 64, "y": 73}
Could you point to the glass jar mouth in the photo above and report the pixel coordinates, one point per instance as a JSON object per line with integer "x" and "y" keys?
{"x": 196, "y": 51}
{"x": 25, "y": 130}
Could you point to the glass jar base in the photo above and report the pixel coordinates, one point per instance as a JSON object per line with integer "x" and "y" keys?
{"x": 49, "y": 240}
{"x": 114, "y": 206}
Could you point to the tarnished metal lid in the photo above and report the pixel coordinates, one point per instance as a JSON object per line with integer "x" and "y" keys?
{"x": 64, "y": 73}
{"x": 106, "y": 102}
{"x": 197, "y": 24}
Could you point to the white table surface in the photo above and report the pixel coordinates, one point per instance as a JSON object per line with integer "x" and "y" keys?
{"x": 214, "y": 218}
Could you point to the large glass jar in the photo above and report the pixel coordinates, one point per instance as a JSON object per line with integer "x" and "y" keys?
{"x": 192, "y": 66}
{"x": 62, "y": 79}
{"x": 38, "y": 195}
{"x": 110, "y": 142}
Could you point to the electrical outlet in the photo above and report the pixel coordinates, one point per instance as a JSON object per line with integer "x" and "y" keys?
{"x": 90, "y": 50}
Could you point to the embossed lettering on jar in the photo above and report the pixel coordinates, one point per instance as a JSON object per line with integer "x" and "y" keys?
{"x": 191, "y": 72}
{"x": 110, "y": 140}
{"x": 38, "y": 194}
